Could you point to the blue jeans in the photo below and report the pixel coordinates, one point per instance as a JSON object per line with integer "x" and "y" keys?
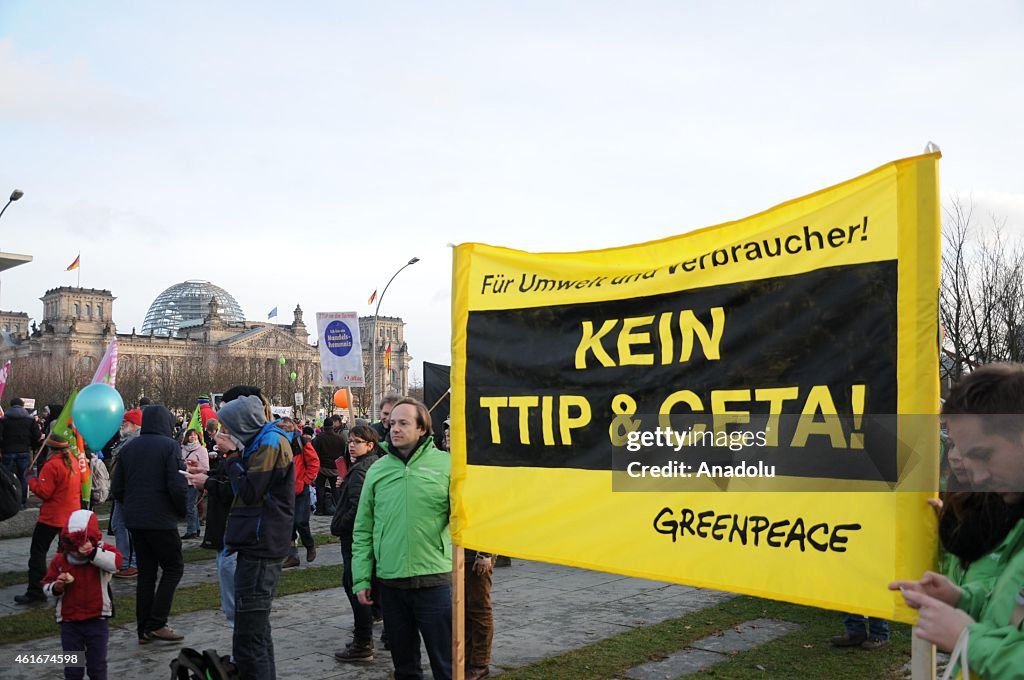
{"x": 857, "y": 625}
{"x": 17, "y": 463}
{"x": 253, "y": 645}
{"x": 191, "y": 510}
{"x": 122, "y": 539}
{"x": 409, "y": 613}
{"x": 226, "y": 565}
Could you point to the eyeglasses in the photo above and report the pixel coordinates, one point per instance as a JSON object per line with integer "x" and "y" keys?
{"x": 357, "y": 441}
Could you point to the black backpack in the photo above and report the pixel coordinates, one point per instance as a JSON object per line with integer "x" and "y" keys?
{"x": 191, "y": 665}
{"x": 10, "y": 494}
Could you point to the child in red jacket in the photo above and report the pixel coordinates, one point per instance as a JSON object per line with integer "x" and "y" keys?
{"x": 79, "y": 577}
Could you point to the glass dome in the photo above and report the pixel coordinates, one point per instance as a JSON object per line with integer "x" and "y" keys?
{"x": 187, "y": 303}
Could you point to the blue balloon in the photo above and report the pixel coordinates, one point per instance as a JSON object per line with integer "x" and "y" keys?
{"x": 97, "y": 414}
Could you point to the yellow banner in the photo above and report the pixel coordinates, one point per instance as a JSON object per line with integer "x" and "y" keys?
{"x": 749, "y": 407}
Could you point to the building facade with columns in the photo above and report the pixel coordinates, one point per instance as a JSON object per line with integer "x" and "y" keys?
{"x": 205, "y": 355}
{"x": 183, "y": 354}
{"x": 393, "y": 358}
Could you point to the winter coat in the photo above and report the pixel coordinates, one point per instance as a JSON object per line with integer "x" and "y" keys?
{"x": 197, "y": 453}
{"x": 330, "y": 445}
{"x": 263, "y": 479}
{"x": 19, "y": 432}
{"x": 401, "y": 527}
{"x": 147, "y": 479}
{"x": 348, "y": 500}
{"x": 89, "y": 595}
{"x": 307, "y": 465}
{"x": 59, "y": 486}
{"x": 995, "y": 647}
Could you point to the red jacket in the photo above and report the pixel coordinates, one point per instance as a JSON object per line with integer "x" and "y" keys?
{"x": 306, "y": 467}
{"x": 88, "y": 596}
{"x": 60, "y": 489}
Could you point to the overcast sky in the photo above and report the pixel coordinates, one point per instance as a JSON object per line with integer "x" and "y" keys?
{"x": 301, "y": 153}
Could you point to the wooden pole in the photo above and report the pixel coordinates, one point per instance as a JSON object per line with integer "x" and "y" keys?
{"x": 458, "y": 613}
{"x": 922, "y": 659}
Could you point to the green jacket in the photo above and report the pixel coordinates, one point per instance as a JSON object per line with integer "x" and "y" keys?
{"x": 401, "y": 527}
{"x": 983, "y": 570}
{"x": 995, "y": 648}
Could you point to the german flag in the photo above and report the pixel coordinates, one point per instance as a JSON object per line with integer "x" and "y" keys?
{"x": 74, "y": 265}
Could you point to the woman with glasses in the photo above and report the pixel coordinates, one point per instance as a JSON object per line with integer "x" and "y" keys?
{"x": 364, "y": 450}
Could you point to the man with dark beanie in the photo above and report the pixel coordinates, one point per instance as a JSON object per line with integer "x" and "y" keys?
{"x": 258, "y": 459}
{"x": 150, "y": 488}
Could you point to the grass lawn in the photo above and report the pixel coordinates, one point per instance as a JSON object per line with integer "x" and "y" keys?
{"x": 13, "y": 578}
{"x": 805, "y": 653}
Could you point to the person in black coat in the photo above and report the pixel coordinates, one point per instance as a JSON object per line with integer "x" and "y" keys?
{"x": 21, "y": 436}
{"x": 149, "y": 481}
{"x": 364, "y": 450}
{"x": 329, "y": 445}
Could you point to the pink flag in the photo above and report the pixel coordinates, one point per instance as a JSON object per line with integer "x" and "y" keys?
{"x": 106, "y": 372}
{"x": 3, "y": 376}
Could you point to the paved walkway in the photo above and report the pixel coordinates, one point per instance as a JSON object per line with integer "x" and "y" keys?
{"x": 540, "y": 610}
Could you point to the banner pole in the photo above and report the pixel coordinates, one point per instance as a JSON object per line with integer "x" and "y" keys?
{"x": 922, "y": 659}
{"x": 458, "y": 613}
{"x": 439, "y": 400}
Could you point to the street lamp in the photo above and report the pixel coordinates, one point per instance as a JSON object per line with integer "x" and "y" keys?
{"x": 373, "y": 339}
{"x": 15, "y": 195}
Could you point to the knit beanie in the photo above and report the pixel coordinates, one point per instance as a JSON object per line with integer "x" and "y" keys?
{"x": 243, "y": 417}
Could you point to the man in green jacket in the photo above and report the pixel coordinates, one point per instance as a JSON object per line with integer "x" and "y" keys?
{"x": 401, "y": 531}
{"x": 985, "y": 415}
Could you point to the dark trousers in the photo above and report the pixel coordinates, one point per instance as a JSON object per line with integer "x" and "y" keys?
{"x": 301, "y": 528}
{"x": 17, "y": 463}
{"x": 479, "y": 618}
{"x": 326, "y": 501}
{"x": 857, "y": 625}
{"x": 156, "y": 548}
{"x": 89, "y": 638}
{"x": 362, "y": 615}
{"x": 409, "y": 613}
{"x": 42, "y": 539}
{"x": 252, "y": 644}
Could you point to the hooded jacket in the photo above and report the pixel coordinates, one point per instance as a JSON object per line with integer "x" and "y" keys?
{"x": 19, "y": 431}
{"x": 147, "y": 480}
{"x": 88, "y": 596}
{"x": 401, "y": 528}
{"x": 59, "y": 486}
{"x": 263, "y": 480}
{"x": 995, "y": 647}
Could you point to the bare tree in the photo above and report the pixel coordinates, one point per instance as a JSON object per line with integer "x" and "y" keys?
{"x": 981, "y": 295}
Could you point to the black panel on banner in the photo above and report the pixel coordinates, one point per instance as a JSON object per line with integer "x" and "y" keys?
{"x": 834, "y": 327}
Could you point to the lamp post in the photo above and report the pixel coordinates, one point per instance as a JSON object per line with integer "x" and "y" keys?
{"x": 373, "y": 340}
{"x": 15, "y": 195}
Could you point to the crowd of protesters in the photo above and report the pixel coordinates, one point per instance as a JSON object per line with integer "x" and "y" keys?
{"x": 246, "y": 482}
{"x": 386, "y": 485}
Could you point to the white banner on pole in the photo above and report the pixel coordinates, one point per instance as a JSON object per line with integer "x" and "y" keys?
{"x": 341, "y": 351}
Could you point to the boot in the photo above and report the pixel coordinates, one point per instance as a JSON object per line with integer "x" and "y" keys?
{"x": 357, "y": 650}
